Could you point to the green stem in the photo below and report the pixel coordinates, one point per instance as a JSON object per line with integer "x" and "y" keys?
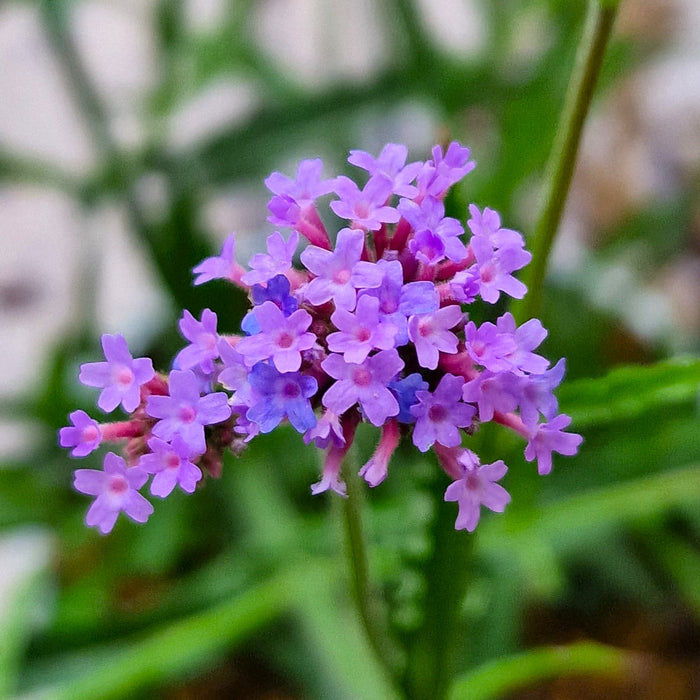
{"x": 560, "y": 167}
{"x": 371, "y": 613}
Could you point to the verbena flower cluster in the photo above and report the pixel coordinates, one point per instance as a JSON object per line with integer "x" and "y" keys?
{"x": 372, "y": 328}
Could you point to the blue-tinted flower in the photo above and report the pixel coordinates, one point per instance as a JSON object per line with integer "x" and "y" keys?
{"x": 439, "y": 414}
{"x": 281, "y": 395}
{"x": 84, "y": 435}
{"x": 203, "y": 337}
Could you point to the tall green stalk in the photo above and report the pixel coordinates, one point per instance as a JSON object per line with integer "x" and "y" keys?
{"x": 560, "y": 167}
{"x": 372, "y": 613}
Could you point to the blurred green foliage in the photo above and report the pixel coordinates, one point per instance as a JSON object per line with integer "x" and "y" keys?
{"x": 250, "y": 567}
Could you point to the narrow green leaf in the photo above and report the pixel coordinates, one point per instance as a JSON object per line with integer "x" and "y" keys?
{"x": 182, "y": 648}
{"x": 496, "y": 678}
{"x": 631, "y": 391}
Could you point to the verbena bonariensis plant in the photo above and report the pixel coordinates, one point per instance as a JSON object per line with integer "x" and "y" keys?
{"x": 372, "y": 328}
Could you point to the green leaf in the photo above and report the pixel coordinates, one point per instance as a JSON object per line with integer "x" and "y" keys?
{"x": 505, "y": 675}
{"x": 631, "y": 391}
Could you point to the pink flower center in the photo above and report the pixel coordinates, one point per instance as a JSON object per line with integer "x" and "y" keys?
{"x": 478, "y": 348}
{"x": 362, "y": 377}
{"x": 187, "y": 414}
{"x": 363, "y": 334}
{"x": 90, "y": 433}
{"x": 487, "y": 272}
{"x": 118, "y": 485}
{"x": 206, "y": 341}
{"x": 342, "y": 276}
{"x": 124, "y": 377}
{"x": 285, "y": 340}
{"x": 291, "y": 390}
{"x": 473, "y": 482}
{"x": 425, "y": 328}
{"x": 437, "y": 413}
{"x": 172, "y": 461}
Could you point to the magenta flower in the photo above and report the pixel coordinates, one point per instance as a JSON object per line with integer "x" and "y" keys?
{"x": 204, "y": 339}
{"x": 281, "y": 338}
{"x": 366, "y": 208}
{"x": 171, "y": 465}
{"x": 430, "y": 334}
{"x": 341, "y": 272}
{"x": 375, "y": 470}
{"x": 116, "y": 489}
{"x": 222, "y": 266}
{"x": 550, "y": 437}
{"x": 439, "y": 414}
{"x": 364, "y": 383}
{"x": 120, "y": 378}
{"x": 185, "y": 412}
{"x": 477, "y": 487}
{"x": 277, "y": 261}
{"x": 331, "y": 479}
{"x": 84, "y": 435}
{"x": 361, "y": 332}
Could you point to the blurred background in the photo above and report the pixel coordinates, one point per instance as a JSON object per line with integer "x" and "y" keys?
{"x": 135, "y": 135}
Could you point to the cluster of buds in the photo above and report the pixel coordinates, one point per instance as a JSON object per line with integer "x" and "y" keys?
{"x": 372, "y": 328}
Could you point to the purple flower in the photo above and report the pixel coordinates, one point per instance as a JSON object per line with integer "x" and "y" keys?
{"x": 185, "y": 412}
{"x": 331, "y": 479}
{"x": 440, "y": 414}
{"x": 366, "y": 208}
{"x": 277, "y": 261}
{"x": 398, "y": 300}
{"x": 84, "y": 435}
{"x": 171, "y": 465}
{"x": 116, "y": 489}
{"x": 278, "y": 290}
{"x": 488, "y": 347}
{"x": 203, "y": 337}
{"x": 360, "y": 332}
{"x": 443, "y": 171}
{"x": 477, "y": 487}
{"x": 527, "y": 337}
{"x": 327, "y": 431}
{"x": 341, "y": 272}
{"x": 436, "y": 235}
{"x": 281, "y": 394}
{"x": 488, "y": 225}
{"x": 492, "y": 392}
{"x": 494, "y": 268}
{"x": 375, "y": 470}
{"x": 281, "y": 338}
{"x": 364, "y": 383}
{"x": 430, "y": 334}
{"x": 536, "y": 394}
{"x": 222, "y": 266}
{"x": 391, "y": 164}
{"x": 550, "y": 437}
{"x": 303, "y": 190}
{"x": 235, "y": 373}
{"x": 120, "y": 378}
{"x": 405, "y": 392}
